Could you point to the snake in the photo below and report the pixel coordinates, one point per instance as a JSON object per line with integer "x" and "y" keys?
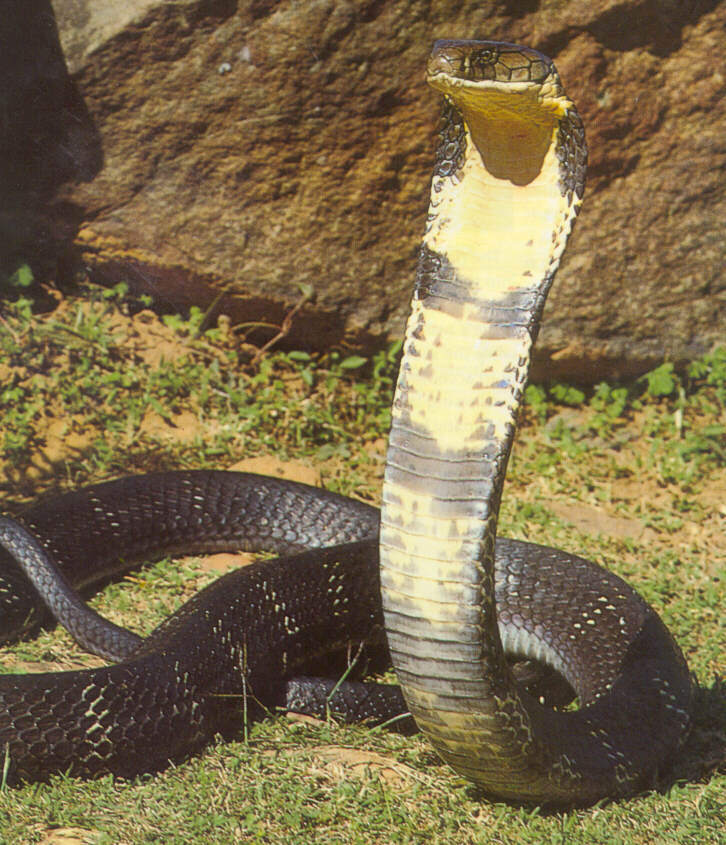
{"x": 426, "y": 584}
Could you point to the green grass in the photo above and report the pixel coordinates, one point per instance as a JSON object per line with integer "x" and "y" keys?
{"x": 630, "y": 475}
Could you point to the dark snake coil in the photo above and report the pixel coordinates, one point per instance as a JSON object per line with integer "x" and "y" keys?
{"x": 228, "y": 653}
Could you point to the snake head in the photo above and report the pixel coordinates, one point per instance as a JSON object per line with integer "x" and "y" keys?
{"x": 487, "y": 61}
{"x": 481, "y": 75}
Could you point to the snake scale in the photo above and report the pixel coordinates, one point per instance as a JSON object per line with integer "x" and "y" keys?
{"x": 456, "y": 600}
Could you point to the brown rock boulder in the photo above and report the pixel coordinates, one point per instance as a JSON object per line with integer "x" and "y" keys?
{"x": 264, "y": 148}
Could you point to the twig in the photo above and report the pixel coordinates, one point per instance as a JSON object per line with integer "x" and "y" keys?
{"x": 307, "y": 294}
{"x": 9, "y": 329}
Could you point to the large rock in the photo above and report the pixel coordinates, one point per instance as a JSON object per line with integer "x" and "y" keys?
{"x": 258, "y": 149}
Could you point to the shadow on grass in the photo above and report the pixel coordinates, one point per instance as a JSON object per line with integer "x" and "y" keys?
{"x": 704, "y": 752}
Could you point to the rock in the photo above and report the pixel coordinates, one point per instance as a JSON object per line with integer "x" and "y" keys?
{"x": 258, "y": 152}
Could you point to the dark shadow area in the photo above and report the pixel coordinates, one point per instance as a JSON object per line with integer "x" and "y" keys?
{"x": 520, "y": 8}
{"x": 704, "y": 751}
{"x": 47, "y": 138}
{"x": 657, "y": 26}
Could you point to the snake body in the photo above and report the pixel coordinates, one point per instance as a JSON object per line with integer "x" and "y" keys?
{"x": 508, "y": 182}
{"x": 508, "y": 185}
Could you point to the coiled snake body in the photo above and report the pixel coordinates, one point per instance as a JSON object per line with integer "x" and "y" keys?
{"x": 507, "y": 185}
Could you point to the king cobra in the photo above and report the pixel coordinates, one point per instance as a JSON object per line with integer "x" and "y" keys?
{"x": 457, "y": 601}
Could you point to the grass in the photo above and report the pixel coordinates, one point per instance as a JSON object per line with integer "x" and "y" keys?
{"x": 630, "y": 475}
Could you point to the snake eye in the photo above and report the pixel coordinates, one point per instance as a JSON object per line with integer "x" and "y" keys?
{"x": 482, "y": 63}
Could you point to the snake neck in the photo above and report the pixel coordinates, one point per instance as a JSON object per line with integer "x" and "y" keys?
{"x": 497, "y": 225}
